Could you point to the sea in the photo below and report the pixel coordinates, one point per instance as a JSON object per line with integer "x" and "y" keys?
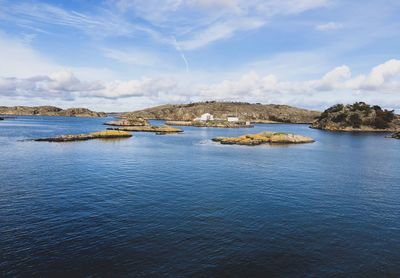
{"x": 183, "y": 206}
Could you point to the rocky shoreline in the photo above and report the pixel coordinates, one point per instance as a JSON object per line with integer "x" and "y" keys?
{"x": 107, "y": 134}
{"x": 264, "y": 138}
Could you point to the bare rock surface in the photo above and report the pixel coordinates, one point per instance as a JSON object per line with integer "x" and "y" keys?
{"x": 106, "y": 134}
{"x": 263, "y": 138}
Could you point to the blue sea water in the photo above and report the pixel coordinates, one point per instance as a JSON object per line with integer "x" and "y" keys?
{"x": 182, "y": 206}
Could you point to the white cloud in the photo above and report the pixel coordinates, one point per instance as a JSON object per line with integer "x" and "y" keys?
{"x": 144, "y": 87}
{"x": 380, "y": 86}
{"x": 337, "y": 85}
{"x": 329, "y": 26}
{"x": 65, "y": 85}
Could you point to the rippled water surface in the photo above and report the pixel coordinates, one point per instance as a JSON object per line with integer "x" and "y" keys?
{"x": 180, "y": 205}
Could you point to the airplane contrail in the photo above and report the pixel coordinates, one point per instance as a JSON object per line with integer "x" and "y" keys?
{"x": 178, "y": 48}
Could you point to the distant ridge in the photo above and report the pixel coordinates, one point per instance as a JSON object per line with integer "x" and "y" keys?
{"x": 49, "y": 111}
{"x": 254, "y": 112}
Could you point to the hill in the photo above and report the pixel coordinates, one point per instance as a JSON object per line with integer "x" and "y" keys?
{"x": 245, "y": 111}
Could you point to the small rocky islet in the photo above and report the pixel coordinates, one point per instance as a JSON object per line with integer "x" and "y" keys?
{"x": 163, "y": 129}
{"x": 396, "y": 135}
{"x": 106, "y": 134}
{"x": 264, "y": 138}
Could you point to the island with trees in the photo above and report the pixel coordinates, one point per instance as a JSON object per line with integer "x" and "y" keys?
{"x": 360, "y": 117}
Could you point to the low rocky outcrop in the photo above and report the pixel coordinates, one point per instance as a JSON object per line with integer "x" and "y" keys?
{"x": 129, "y": 122}
{"x": 253, "y": 112}
{"x": 107, "y": 134}
{"x": 164, "y": 129}
{"x": 215, "y": 124}
{"x": 179, "y": 123}
{"x": 358, "y": 117}
{"x": 396, "y": 135}
{"x": 264, "y": 138}
{"x": 1, "y": 119}
{"x": 49, "y": 111}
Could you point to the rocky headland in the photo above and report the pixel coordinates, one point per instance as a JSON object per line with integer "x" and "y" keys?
{"x": 360, "y": 117}
{"x": 255, "y": 112}
{"x": 49, "y": 111}
{"x": 264, "y": 138}
{"x": 106, "y": 134}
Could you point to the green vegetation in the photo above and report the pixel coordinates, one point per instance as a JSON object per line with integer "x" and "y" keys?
{"x": 355, "y": 120}
{"x": 339, "y": 118}
{"x": 358, "y": 116}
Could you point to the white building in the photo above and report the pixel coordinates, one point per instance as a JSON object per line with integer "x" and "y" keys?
{"x": 205, "y": 117}
{"x": 233, "y": 119}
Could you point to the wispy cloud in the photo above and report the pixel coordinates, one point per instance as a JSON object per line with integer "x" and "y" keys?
{"x": 329, "y": 26}
{"x": 101, "y": 22}
{"x": 178, "y": 48}
{"x": 195, "y": 23}
{"x": 132, "y": 56}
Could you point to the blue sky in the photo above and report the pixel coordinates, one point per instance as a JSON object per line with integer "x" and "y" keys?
{"x": 119, "y": 55}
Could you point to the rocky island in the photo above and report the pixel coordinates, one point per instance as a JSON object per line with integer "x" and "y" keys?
{"x": 138, "y": 124}
{"x": 246, "y": 112}
{"x": 49, "y": 111}
{"x": 215, "y": 124}
{"x": 163, "y": 129}
{"x": 358, "y": 117}
{"x": 264, "y": 138}
{"x": 106, "y": 134}
{"x": 133, "y": 121}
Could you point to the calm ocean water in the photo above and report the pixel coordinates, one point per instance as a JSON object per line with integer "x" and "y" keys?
{"x": 181, "y": 206}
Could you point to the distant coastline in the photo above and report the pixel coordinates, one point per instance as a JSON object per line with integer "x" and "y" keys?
{"x": 49, "y": 111}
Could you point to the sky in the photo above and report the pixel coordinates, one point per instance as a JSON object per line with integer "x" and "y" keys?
{"x": 123, "y": 55}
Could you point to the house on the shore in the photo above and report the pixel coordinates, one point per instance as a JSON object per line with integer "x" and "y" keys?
{"x": 233, "y": 119}
{"x": 205, "y": 117}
